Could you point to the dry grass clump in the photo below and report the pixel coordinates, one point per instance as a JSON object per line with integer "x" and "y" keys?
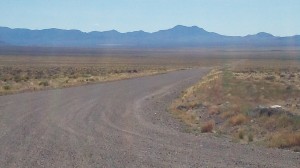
{"x": 227, "y": 114}
{"x": 44, "y": 83}
{"x": 250, "y": 137}
{"x": 282, "y": 121}
{"x": 241, "y": 134}
{"x": 285, "y": 139}
{"x": 212, "y": 110}
{"x": 238, "y": 119}
{"x": 207, "y": 126}
{"x": 6, "y": 87}
{"x": 245, "y": 135}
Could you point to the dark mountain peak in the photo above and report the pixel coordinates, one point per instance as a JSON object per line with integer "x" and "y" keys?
{"x": 264, "y": 34}
{"x": 55, "y": 30}
{"x": 52, "y": 29}
{"x": 98, "y": 34}
{"x": 180, "y": 27}
{"x": 186, "y": 28}
{"x": 183, "y": 32}
{"x": 138, "y": 32}
{"x": 111, "y": 32}
{"x": 261, "y": 35}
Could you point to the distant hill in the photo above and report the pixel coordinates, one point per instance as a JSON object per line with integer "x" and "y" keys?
{"x": 3, "y": 44}
{"x": 179, "y": 36}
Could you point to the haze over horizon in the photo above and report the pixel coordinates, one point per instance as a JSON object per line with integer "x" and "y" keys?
{"x": 234, "y": 17}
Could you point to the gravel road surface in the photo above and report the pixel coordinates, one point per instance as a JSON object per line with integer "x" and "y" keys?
{"x": 118, "y": 124}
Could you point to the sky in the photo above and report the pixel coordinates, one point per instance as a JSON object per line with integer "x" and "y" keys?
{"x": 227, "y": 17}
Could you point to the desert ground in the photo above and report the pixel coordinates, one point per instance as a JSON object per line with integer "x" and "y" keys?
{"x": 253, "y": 101}
{"x": 183, "y": 108}
{"x": 31, "y": 70}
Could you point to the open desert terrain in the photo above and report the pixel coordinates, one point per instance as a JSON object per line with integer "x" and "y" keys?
{"x": 204, "y": 108}
{"x": 150, "y": 84}
{"x": 254, "y": 101}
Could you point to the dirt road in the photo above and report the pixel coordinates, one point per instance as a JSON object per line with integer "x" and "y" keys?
{"x": 117, "y": 124}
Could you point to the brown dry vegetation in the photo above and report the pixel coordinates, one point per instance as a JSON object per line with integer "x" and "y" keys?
{"x": 221, "y": 102}
{"x": 238, "y": 119}
{"x": 229, "y": 96}
{"x": 29, "y": 73}
{"x": 285, "y": 140}
{"x": 208, "y": 126}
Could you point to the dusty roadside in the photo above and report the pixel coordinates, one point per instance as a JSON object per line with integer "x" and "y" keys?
{"x": 118, "y": 124}
{"x": 251, "y": 102}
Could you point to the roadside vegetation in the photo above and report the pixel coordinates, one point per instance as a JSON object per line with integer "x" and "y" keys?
{"x": 252, "y": 101}
{"x": 31, "y": 73}
{"x": 44, "y": 73}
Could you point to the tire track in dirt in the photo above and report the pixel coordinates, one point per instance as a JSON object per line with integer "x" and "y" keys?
{"x": 117, "y": 124}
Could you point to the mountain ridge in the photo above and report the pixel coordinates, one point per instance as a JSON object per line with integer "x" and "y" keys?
{"x": 178, "y": 36}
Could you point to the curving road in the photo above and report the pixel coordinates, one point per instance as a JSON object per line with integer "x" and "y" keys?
{"x": 117, "y": 124}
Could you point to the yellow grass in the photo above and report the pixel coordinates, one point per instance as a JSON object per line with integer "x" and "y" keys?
{"x": 285, "y": 139}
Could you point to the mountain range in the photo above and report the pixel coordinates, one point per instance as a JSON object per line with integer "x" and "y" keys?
{"x": 178, "y": 36}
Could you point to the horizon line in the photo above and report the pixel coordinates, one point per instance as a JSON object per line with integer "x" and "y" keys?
{"x": 74, "y": 29}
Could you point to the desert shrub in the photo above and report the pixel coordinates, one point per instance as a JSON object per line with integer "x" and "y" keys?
{"x": 237, "y": 119}
{"x": 44, "y": 83}
{"x": 289, "y": 88}
{"x": 296, "y": 122}
{"x": 284, "y": 121}
{"x": 212, "y": 110}
{"x": 208, "y": 126}
{"x": 75, "y": 76}
{"x": 92, "y": 80}
{"x": 241, "y": 134}
{"x": 285, "y": 140}
{"x": 250, "y": 137}
{"x": 17, "y": 78}
{"x": 270, "y": 78}
{"x": 86, "y": 75}
{"x": 281, "y": 121}
{"x": 6, "y": 87}
{"x": 25, "y": 78}
{"x": 132, "y": 71}
{"x": 227, "y": 114}
{"x": 39, "y": 74}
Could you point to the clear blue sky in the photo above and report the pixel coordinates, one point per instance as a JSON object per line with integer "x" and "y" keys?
{"x": 229, "y": 17}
